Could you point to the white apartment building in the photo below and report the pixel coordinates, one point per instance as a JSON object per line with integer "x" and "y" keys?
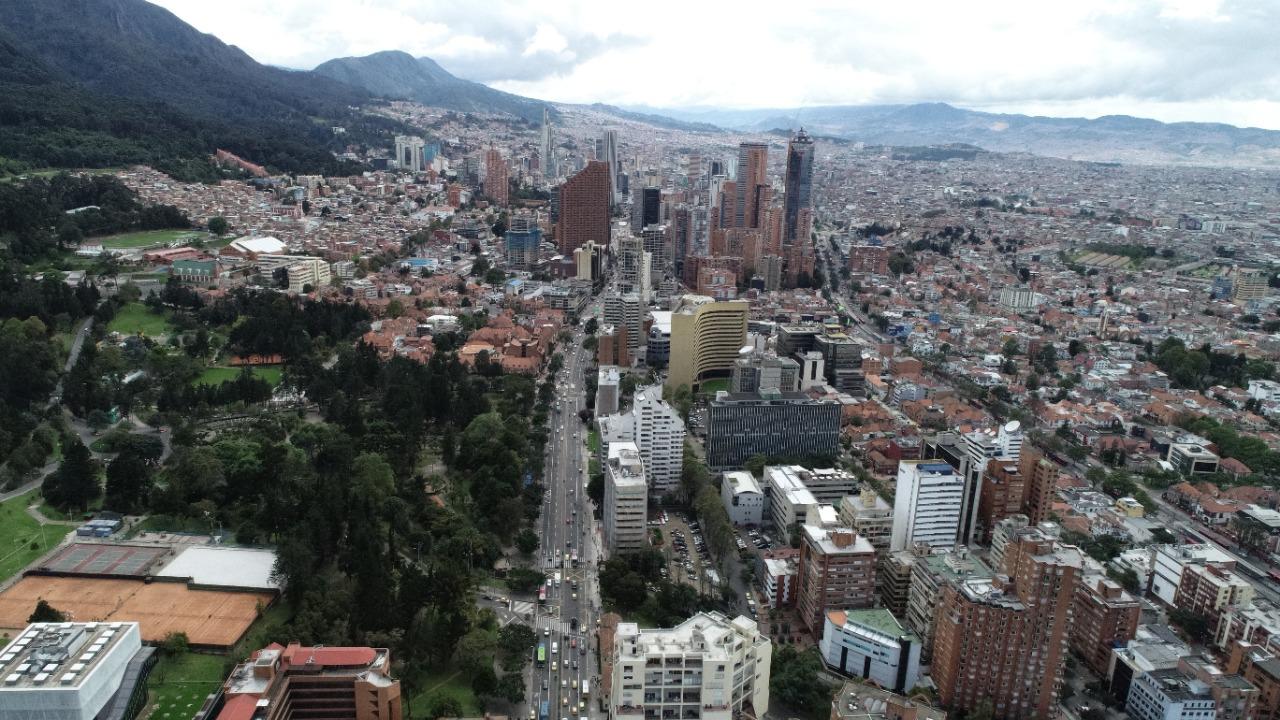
{"x": 788, "y": 498}
{"x": 780, "y": 582}
{"x": 659, "y": 433}
{"x": 626, "y": 496}
{"x": 708, "y": 667}
{"x": 742, "y": 497}
{"x": 1264, "y": 390}
{"x": 926, "y": 505}
{"x": 69, "y": 671}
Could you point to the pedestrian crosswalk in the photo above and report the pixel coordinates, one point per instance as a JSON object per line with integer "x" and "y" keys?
{"x": 522, "y": 608}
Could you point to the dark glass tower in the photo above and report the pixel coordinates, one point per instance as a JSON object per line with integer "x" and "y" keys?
{"x": 799, "y": 183}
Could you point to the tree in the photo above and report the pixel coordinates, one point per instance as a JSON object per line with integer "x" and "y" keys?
{"x": 175, "y": 643}
{"x": 46, "y": 613}
{"x": 441, "y": 705}
{"x": 75, "y": 484}
{"x": 796, "y": 682}
{"x": 516, "y": 638}
{"x": 527, "y": 541}
{"x": 218, "y": 225}
{"x": 128, "y": 482}
{"x": 510, "y": 688}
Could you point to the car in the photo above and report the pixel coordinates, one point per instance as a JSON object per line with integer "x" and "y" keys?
{"x": 565, "y": 701}
{"x": 564, "y": 683}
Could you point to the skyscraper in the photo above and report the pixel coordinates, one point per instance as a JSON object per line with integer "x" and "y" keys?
{"x": 799, "y": 185}
{"x": 495, "y": 177}
{"x": 753, "y": 163}
{"x": 584, "y": 208}
{"x": 409, "y": 152}
{"x": 546, "y": 147}
{"x": 609, "y": 154}
{"x": 523, "y": 237}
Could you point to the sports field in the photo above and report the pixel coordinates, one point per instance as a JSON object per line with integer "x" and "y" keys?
{"x": 136, "y": 318}
{"x": 210, "y": 618}
{"x": 219, "y": 375}
{"x": 105, "y": 559}
{"x": 147, "y": 238}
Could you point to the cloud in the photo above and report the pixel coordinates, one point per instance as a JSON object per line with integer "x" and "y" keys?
{"x": 1171, "y": 59}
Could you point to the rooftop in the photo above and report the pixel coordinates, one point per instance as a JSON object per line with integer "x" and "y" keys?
{"x": 878, "y": 619}
{"x": 65, "y": 655}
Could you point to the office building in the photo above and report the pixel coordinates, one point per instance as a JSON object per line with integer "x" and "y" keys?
{"x": 872, "y": 645}
{"x": 1154, "y": 647}
{"x": 1171, "y": 562}
{"x": 1192, "y": 459}
{"x": 279, "y": 683}
{"x": 796, "y": 339}
{"x": 753, "y": 165}
{"x": 633, "y": 273}
{"x": 626, "y": 496}
{"x": 608, "y": 390}
{"x": 870, "y": 515}
{"x": 827, "y": 485}
{"x": 306, "y": 274}
{"x": 930, "y": 572}
{"x": 842, "y": 362}
{"x": 1104, "y": 617}
{"x": 658, "y": 341}
{"x": 787, "y": 500}
{"x": 1003, "y": 640}
{"x": 584, "y": 209}
{"x": 1169, "y": 695}
{"x": 758, "y": 371}
{"x": 927, "y": 501}
{"x": 656, "y": 245}
{"x": 611, "y": 346}
{"x": 75, "y": 671}
{"x": 496, "y": 184}
{"x": 893, "y": 580}
{"x": 799, "y": 186}
{"x": 409, "y": 152}
{"x": 625, "y": 310}
{"x": 607, "y": 151}
{"x": 547, "y": 147}
{"x": 1208, "y": 589}
{"x": 523, "y": 240}
{"x": 588, "y": 262}
{"x": 770, "y": 424}
{"x": 659, "y": 434}
{"x": 837, "y": 572}
{"x": 742, "y": 497}
{"x": 706, "y": 336}
{"x": 708, "y": 667}
{"x": 1234, "y": 698}
{"x": 646, "y": 208}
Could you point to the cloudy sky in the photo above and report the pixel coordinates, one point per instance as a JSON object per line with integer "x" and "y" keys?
{"x": 1207, "y": 60}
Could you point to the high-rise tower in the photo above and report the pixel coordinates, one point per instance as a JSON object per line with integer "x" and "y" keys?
{"x": 546, "y": 148}
{"x": 584, "y": 208}
{"x": 753, "y": 162}
{"x": 609, "y": 154}
{"x": 799, "y": 185}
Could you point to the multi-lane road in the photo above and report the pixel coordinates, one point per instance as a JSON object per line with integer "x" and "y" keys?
{"x": 566, "y": 623}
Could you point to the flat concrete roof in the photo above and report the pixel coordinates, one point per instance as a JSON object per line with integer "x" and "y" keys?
{"x": 223, "y": 566}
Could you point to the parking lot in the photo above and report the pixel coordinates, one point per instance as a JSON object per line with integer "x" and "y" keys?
{"x": 683, "y": 546}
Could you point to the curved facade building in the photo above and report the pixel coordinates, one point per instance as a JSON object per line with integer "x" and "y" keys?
{"x": 706, "y": 336}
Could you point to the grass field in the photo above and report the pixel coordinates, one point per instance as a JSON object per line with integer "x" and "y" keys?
{"x": 448, "y": 684}
{"x": 593, "y": 442}
{"x": 709, "y": 387}
{"x": 147, "y": 238}
{"x": 136, "y": 318}
{"x": 219, "y": 375}
{"x": 21, "y": 538}
{"x": 179, "y": 684}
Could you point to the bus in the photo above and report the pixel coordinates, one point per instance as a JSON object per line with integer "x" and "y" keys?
{"x": 586, "y": 687}
{"x": 542, "y": 711}
{"x": 575, "y": 557}
{"x": 542, "y": 595}
{"x": 542, "y": 653}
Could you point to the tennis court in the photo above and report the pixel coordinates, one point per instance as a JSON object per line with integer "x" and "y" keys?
{"x": 105, "y": 559}
{"x": 210, "y": 618}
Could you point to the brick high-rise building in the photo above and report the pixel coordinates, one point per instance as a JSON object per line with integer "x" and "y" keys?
{"x": 753, "y": 164}
{"x": 870, "y": 259}
{"x": 1002, "y": 493}
{"x": 495, "y": 178}
{"x": 837, "y": 572}
{"x": 1040, "y": 478}
{"x": 1104, "y": 617}
{"x": 584, "y": 208}
{"x": 1003, "y": 639}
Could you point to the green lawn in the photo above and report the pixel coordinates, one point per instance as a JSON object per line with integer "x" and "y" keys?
{"x": 593, "y": 441}
{"x": 21, "y": 538}
{"x": 137, "y": 318}
{"x": 147, "y": 238}
{"x": 445, "y": 684}
{"x": 710, "y": 387}
{"x": 179, "y": 684}
{"x": 219, "y": 375}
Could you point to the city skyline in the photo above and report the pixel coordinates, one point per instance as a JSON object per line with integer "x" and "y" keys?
{"x": 1170, "y": 60}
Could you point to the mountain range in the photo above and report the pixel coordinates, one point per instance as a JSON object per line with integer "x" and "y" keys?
{"x": 93, "y": 83}
{"x": 1112, "y": 138}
